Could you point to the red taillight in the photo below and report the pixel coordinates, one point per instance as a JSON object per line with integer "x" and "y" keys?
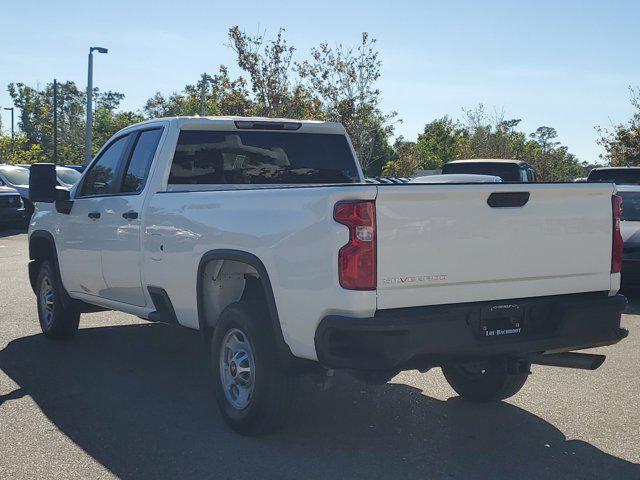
{"x": 357, "y": 259}
{"x": 616, "y": 247}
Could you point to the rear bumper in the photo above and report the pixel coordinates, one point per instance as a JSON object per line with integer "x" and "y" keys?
{"x": 419, "y": 337}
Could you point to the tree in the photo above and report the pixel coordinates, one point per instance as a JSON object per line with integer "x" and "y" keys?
{"x": 269, "y": 65}
{"x": 344, "y": 79}
{"x": 36, "y": 119}
{"x": 228, "y": 96}
{"x": 436, "y": 145}
{"x": 19, "y": 151}
{"x": 222, "y": 95}
{"x": 107, "y": 120}
{"x": 622, "y": 143}
{"x": 489, "y": 136}
{"x": 406, "y": 160}
{"x": 551, "y": 160}
{"x": 160, "y": 106}
{"x": 545, "y": 138}
{"x": 484, "y": 136}
{"x": 34, "y": 115}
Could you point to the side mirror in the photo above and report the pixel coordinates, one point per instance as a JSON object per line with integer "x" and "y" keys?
{"x": 42, "y": 182}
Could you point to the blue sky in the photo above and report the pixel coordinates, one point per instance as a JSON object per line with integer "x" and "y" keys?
{"x": 563, "y": 64}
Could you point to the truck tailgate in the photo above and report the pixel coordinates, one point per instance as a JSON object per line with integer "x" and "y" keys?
{"x": 441, "y": 244}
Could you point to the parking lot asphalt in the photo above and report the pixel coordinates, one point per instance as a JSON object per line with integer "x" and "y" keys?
{"x": 131, "y": 399}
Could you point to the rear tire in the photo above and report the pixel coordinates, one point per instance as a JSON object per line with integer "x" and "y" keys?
{"x": 483, "y": 383}
{"x": 253, "y": 391}
{"x": 57, "y": 321}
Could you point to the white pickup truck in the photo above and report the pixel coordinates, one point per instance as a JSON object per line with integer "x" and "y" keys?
{"x": 262, "y": 235}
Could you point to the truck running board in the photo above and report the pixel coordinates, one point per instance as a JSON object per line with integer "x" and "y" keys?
{"x": 584, "y": 361}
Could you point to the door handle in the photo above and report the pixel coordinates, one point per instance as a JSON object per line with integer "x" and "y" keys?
{"x": 93, "y": 215}
{"x": 508, "y": 199}
{"x": 130, "y": 215}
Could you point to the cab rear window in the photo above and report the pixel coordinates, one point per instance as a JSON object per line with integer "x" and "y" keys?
{"x": 254, "y": 157}
{"x": 622, "y": 176}
{"x": 630, "y": 206}
{"x": 506, "y": 171}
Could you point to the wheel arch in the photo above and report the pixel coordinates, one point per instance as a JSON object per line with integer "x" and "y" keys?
{"x": 42, "y": 246}
{"x": 240, "y": 256}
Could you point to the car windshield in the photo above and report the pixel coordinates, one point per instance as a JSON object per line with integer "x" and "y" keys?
{"x": 16, "y": 175}
{"x": 620, "y": 176}
{"x": 508, "y": 172}
{"x": 630, "y": 206}
{"x": 67, "y": 175}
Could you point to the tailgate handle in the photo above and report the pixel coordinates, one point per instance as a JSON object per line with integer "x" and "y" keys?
{"x": 508, "y": 199}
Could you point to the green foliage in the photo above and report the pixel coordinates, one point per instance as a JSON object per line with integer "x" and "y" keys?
{"x": 437, "y": 143}
{"x": 622, "y": 143}
{"x": 268, "y": 64}
{"x": 36, "y": 120}
{"x": 485, "y": 136}
{"x": 344, "y": 80}
{"x": 406, "y": 160}
{"x": 107, "y": 120}
{"x": 19, "y": 151}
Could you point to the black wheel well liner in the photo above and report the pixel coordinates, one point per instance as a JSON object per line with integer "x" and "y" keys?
{"x": 42, "y": 246}
{"x": 284, "y": 352}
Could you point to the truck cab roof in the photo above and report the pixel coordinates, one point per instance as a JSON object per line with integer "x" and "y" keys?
{"x": 489, "y": 160}
{"x": 247, "y": 123}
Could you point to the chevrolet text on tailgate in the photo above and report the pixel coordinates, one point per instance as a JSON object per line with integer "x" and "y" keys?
{"x": 263, "y": 235}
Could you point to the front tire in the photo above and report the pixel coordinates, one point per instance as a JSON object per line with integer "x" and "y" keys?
{"x": 57, "y": 321}
{"x": 483, "y": 383}
{"x": 253, "y": 391}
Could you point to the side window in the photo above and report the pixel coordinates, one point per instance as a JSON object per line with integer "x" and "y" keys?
{"x": 101, "y": 177}
{"x": 138, "y": 168}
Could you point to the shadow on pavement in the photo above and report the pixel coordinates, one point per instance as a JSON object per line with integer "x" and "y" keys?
{"x": 9, "y": 232}
{"x": 137, "y": 399}
{"x": 633, "y": 296}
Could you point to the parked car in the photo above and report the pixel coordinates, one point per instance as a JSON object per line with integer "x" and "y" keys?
{"x": 456, "y": 178}
{"x": 12, "y": 213}
{"x": 17, "y": 176}
{"x": 67, "y": 177}
{"x": 617, "y": 175}
{"x": 630, "y": 230}
{"x": 507, "y": 170}
{"x": 263, "y": 235}
{"x": 77, "y": 168}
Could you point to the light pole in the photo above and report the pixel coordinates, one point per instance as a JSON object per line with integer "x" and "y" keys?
{"x": 55, "y": 121}
{"x": 88, "y": 137}
{"x": 11, "y": 109}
